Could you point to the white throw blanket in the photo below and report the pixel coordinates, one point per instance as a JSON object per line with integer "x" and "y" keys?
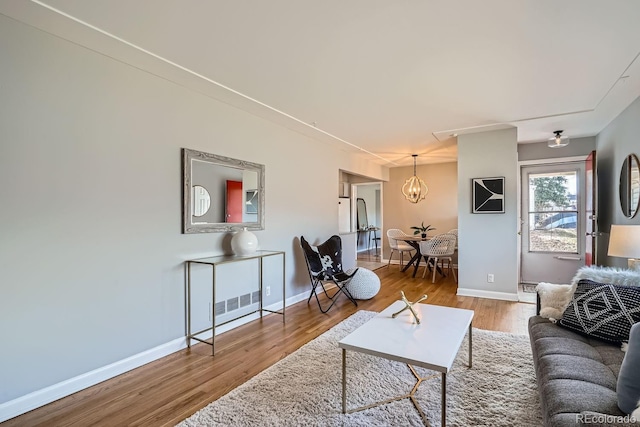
{"x": 612, "y": 275}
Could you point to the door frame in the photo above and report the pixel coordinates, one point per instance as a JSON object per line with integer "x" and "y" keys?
{"x": 540, "y": 162}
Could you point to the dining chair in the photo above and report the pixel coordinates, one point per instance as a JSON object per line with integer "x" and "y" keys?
{"x": 441, "y": 247}
{"x": 454, "y": 231}
{"x": 394, "y": 236}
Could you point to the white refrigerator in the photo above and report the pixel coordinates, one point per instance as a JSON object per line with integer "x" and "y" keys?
{"x": 349, "y": 254}
{"x": 344, "y": 215}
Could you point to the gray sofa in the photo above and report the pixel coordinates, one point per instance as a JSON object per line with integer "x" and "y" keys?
{"x": 576, "y": 375}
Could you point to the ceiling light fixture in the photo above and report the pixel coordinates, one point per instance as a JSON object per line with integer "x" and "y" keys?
{"x": 558, "y": 140}
{"x": 414, "y": 189}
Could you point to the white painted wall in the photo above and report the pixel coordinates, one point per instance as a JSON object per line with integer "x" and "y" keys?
{"x": 619, "y": 139}
{"x": 488, "y": 242}
{"x": 91, "y": 250}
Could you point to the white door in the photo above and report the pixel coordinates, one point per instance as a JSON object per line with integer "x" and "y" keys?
{"x": 553, "y": 226}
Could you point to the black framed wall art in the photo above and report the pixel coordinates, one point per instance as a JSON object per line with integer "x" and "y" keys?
{"x": 252, "y": 201}
{"x": 487, "y": 195}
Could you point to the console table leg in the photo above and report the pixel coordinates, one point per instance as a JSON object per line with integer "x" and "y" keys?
{"x": 188, "y": 264}
{"x": 213, "y": 310}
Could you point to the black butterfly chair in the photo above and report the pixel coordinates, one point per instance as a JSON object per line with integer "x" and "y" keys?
{"x": 325, "y": 265}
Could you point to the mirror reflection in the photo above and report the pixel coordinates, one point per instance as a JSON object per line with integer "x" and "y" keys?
{"x": 221, "y": 193}
{"x": 361, "y": 214}
{"x": 201, "y": 200}
{"x": 630, "y": 186}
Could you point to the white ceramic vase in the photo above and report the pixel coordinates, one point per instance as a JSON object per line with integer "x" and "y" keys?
{"x": 244, "y": 242}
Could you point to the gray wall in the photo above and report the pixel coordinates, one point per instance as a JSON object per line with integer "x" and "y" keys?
{"x": 619, "y": 139}
{"x": 488, "y": 242}
{"x": 91, "y": 253}
{"x": 540, "y": 150}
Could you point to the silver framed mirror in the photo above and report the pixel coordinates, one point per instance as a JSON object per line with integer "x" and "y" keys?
{"x": 361, "y": 214}
{"x": 630, "y": 186}
{"x": 220, "y": 193}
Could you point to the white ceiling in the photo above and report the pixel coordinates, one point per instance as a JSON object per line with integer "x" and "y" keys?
{"x": 387, "y": 78}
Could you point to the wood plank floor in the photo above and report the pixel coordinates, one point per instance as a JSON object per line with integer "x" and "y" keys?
{"x": 164, "y": 392}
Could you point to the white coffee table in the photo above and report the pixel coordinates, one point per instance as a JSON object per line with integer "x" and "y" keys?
{"x": 432, "y": 344}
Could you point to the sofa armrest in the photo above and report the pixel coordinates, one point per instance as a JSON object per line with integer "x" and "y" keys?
{"x": 597, "y": 419}
{"x": 537, "y": 303}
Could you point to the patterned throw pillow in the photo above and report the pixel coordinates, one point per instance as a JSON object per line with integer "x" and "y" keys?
{"x": 602, "y": 310}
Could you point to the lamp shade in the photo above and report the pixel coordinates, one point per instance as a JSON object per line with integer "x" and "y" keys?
{"x": 624, "y": 241}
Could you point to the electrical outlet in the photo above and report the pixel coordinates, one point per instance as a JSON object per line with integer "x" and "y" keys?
{"x": 490, "y": 278}
{"x": 267, "y": 291}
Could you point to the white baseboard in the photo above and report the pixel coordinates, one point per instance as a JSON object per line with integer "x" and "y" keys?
{"x": 41, "y": 397}
{"x": 466, "y": 292}
{"x": 38, "y": 398}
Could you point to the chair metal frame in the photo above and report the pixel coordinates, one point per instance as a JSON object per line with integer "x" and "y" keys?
{"x": 324, "y": 264}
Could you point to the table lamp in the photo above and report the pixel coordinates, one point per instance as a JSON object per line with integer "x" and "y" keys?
{"x": 624, "y": 242}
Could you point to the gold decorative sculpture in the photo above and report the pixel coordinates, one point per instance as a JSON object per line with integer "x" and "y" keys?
{"x": 409, "y": 306}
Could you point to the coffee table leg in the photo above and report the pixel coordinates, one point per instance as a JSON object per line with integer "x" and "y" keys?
{"x": 443, "y": 416}
{"x": 344, "y": 381}
{"x": 470, "y": 348}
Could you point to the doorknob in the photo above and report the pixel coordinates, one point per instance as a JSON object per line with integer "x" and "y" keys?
{"x": 593, "y": 234}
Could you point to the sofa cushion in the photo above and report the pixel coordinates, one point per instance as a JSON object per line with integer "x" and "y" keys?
{"x": 629, "y": 377}
{"x": 563, "y": 366}
{"x": 603, "y": 310}
{"x": 570, "y": 347}
{"x": 574, "y": 396}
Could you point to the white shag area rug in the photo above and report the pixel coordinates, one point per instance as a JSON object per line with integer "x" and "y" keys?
{"x": 305, "y": 388}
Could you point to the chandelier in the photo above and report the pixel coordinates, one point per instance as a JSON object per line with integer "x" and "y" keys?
{"x": 414, "y": 189}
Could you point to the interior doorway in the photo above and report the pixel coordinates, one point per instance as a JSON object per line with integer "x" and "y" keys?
{"x": 368, "y": 220}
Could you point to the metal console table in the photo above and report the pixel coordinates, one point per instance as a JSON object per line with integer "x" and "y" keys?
{"x": 214, "y": 262}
